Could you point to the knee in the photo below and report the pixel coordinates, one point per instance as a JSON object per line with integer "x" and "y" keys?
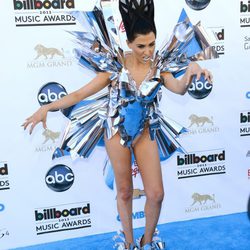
{"x": 125, "y": 193}
{"x": 155, "y": 196}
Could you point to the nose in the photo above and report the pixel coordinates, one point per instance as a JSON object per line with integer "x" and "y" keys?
{"x": 148, "y": 51}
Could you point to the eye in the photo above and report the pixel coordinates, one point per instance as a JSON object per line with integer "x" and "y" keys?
{"x": 152, "y": 44}
{"x": 141, "y": 46}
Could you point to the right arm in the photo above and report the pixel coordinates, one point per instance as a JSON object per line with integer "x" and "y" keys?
{"x": 99, "y": 82}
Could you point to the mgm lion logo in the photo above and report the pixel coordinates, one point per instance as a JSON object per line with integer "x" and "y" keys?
{"x": 50, "y": 135}
{"x": 43, "y": 51}
{"x": 202, "y": 198}
{"x": 199, "y": 120}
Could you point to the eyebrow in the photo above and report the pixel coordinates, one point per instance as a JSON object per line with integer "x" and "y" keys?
{"x": 139, "y": 44}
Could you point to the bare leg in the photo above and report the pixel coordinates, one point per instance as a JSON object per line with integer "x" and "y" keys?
{"x": 147, "y": 157}
{"x": 120, "y": 158}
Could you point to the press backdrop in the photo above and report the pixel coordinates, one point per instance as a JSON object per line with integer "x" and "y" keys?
{"x": 43, "y": 200}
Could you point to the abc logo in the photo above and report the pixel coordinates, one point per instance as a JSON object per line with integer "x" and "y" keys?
{"x": 59, "y": 178}
{"x": 200, "y": 89}
{"x": 197, "y": 4}
{"x": 50, "y": 92}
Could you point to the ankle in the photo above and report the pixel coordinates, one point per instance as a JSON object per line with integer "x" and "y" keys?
{"x": 122, "y": 243}
{"x": 144, "y": 240}
{"x": 128, "y": 244}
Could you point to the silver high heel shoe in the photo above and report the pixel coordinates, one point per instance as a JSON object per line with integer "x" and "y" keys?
{"x": 121, "y": 244}
{"x": 156, "y": 244}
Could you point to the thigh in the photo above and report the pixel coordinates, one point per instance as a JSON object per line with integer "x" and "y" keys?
{"x": 148, "y": 160}
{"x": 120, "y": 158}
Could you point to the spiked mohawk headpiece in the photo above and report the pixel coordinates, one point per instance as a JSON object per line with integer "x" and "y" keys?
{"x": 137, "y": 17}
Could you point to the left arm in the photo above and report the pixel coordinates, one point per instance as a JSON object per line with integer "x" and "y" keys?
{"x": 180, "y": 86}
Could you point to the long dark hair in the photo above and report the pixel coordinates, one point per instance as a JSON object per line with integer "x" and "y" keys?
{"x": 137, "y": 17}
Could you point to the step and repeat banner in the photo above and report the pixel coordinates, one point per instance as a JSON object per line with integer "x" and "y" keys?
{"x": 44, "y": 200}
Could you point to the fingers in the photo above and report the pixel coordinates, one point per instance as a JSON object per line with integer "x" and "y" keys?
{"x": 195, "y": 69}
{"x": 198, "y": 75}
{"x": 208, "y": 75}
{"x": 38, "y": 116}
{"x": 25, "y": 123}
{"x": 28, "y": 122}
{"x": 44, "y": 125}
{"x": 32, "y": 127}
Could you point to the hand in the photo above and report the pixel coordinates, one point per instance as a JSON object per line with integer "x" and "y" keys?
{"x": 195, "y": 69}
{"x": 39, "y": 116}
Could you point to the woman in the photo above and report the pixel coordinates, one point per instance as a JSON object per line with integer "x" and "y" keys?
{"x": 138, "y": 18}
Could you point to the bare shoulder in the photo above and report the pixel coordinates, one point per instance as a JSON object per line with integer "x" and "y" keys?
{"x": 127, "y": 60}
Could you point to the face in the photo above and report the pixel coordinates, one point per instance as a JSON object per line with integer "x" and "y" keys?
{"x": 143, "y": 47}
